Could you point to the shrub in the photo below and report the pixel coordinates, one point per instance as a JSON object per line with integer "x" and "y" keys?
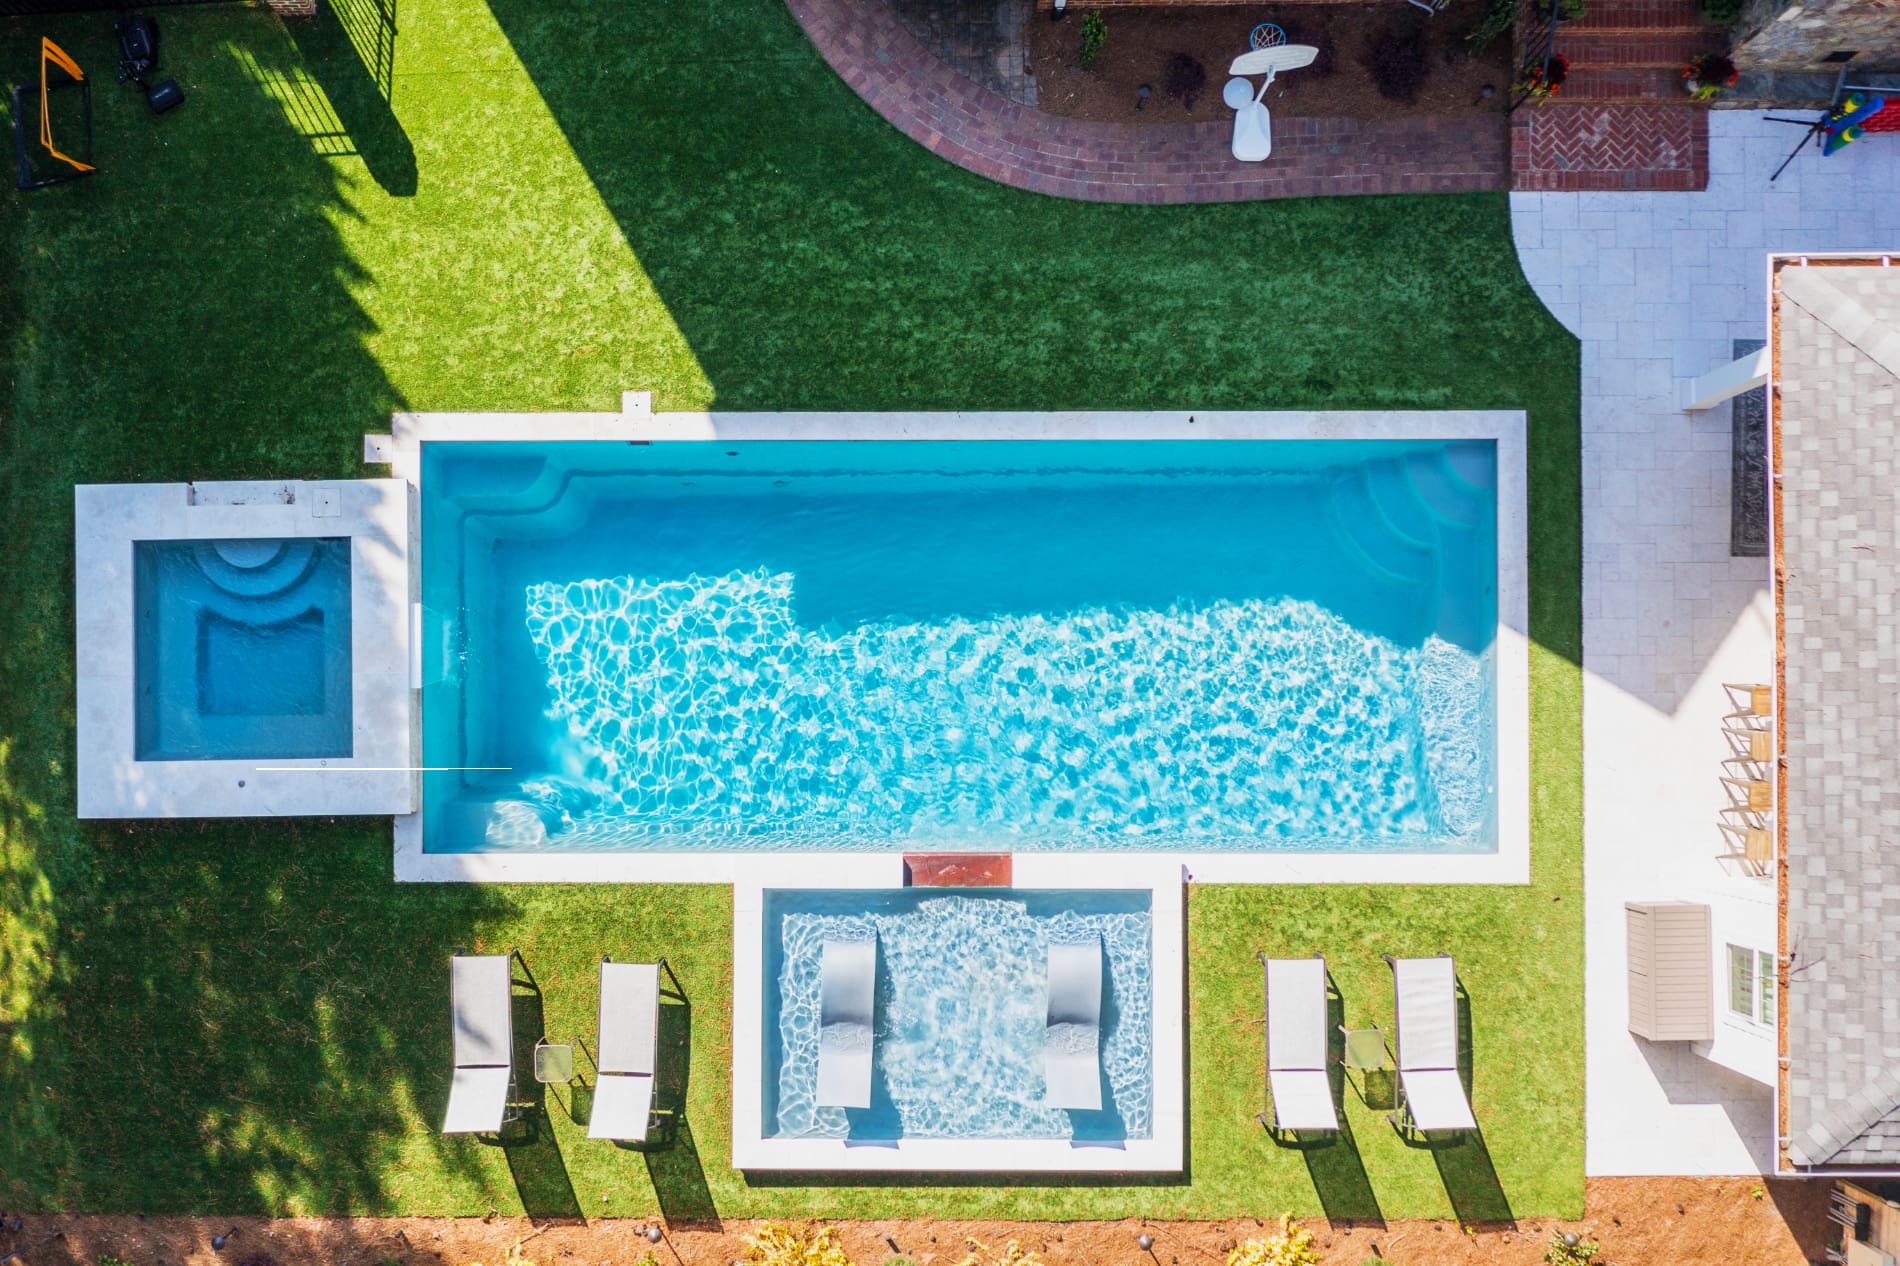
{"x": 1497, "y": 19}
{"x": 1570, "y": 10}
{"x": 1183, "y": 78}
{"x": 1094, "y": 35}
{"x": 1396, "y": 57}
{"x": 108, "y": 1259}
{"x": 1722, "y": 12}
{"x": 783, "y": 1244}
{"x": 1293, "y": 1246}
{"x": 1013, "y": 1254}
{"x": 1570, "y": 1250}
{"x": 1713, "y": 72}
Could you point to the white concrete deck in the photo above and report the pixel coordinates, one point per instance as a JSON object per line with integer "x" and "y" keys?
{"x": 1657, "y": 285}
{"x": 376, "y": 777}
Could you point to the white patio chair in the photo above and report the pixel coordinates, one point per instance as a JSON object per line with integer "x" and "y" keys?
{"x": 1297, "y": 1035}
{"x": 481, "y": 1009}
{"x": 1431, "y": 1096}
{"x": 628, "y": 1060}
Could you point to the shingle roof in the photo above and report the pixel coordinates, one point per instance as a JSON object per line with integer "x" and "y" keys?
{"x": 1838, "y": 418}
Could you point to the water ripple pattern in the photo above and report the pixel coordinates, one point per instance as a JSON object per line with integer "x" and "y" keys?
{"x": 703, "y": 707}
{"x": 962, "y": 1001}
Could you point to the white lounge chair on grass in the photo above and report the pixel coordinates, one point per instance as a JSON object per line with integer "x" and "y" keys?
{"x": 1297, "y": 1035}
{"x": 1072, "y": 1042}
{"x": 847, "y": 983}
{"x": 629, "y": 1038}
{"x": 1431, "y": 1096}
{"x": 481, "y": 1008}
{"x": 1253, "y": 127}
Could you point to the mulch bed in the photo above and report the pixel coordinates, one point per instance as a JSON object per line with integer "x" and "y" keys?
{"x": 1638, "y": 1222}
{"x": 1142, "y": 42}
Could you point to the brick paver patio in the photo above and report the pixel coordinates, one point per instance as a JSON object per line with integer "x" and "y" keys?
{"x": 984, "y": 132}
{"x": 1622, "y": 121}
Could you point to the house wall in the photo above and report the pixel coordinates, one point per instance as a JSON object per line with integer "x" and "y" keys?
{"x": 1774, "y": 35}
{"x": 1741, "y": 912}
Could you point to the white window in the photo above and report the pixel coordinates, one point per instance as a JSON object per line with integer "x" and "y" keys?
{"x": 1751, "y": 984}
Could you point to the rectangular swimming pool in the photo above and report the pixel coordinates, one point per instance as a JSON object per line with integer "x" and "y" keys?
{"x": 961, "y": 1011}
{"x": 1273, "y": 645}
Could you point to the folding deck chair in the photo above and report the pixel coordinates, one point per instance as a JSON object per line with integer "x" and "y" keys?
{"x": 481, "y": 1008}
{"x": 629, "y": 1039}
{"x": 1431, "y": 1095}
{"x": 1301, "y": 1093}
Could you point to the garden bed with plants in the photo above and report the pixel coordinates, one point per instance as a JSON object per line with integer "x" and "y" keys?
{"x": 1375, "y": 61}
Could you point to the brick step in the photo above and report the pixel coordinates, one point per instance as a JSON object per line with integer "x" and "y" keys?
{"x": 1624, "y": 49}
{"x": 1637, "y": 15}
{"x": 1650, "y": 85}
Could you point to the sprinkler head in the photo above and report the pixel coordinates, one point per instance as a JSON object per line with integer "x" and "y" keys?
{"x": 1146, "y": 1241}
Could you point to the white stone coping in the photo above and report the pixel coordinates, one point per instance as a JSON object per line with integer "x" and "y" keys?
{"x": 377, "y": 778}
{"x": 1161, "y": 1153}
{"x": 1510, "y": 863}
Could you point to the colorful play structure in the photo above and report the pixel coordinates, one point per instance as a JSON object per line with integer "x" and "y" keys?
{"x": 1855, "y": 112}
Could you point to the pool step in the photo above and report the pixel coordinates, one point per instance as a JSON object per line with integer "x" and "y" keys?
{"x": 1389, "y": 490}
{"x": 1370, "y": 537}
{"x": 957, "y": 870}
{"x": 1474, "y": 462}
{"x": 1447, "y": 495}
{"x": 273, "y": 574}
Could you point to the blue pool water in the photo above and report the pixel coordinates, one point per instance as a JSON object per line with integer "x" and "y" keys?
{"x": 1246, "y": 645}
{"x": 242, "y": 648}
{"x": 962, "y": 1004}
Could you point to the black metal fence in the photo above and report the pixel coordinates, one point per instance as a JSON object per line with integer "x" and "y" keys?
{"x": 39, "y": 8}
{"x": 1536, "y": 36}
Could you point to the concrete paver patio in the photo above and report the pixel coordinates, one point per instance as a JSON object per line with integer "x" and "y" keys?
{"x": 1657, "y": 285}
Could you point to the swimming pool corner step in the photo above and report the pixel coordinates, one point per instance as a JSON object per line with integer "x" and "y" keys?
{"x": 1447, "y": 495}
{"x": 956, "y": 870}
{"x": 1372, "y": 541}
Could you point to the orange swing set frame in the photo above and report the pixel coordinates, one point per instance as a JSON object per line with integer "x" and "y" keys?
{"x": 58, "y": 71}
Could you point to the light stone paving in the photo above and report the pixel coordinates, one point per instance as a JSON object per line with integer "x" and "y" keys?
{"x": 1656, "y": 285}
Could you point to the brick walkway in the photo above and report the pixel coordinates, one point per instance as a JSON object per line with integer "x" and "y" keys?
{"x": 981, "y": 131}
{"x": 984, "y": 40}
{"x": 1622, "y": 120}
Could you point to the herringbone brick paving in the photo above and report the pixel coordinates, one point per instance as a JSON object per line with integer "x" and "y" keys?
{"x": 981, "y": 131}
{"x": 1622, "y": 119}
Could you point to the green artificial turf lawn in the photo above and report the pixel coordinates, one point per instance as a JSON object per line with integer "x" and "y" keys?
{"x": 566, "y": 199}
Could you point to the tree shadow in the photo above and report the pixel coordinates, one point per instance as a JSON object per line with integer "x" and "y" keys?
{"x": 350, "y": 49}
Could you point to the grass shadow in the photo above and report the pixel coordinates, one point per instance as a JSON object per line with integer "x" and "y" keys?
{"x": 349, "y": 47}
{"x": 1333, "y": 1161}
{"x": 679, "y": 1180}
{"x": 1471, "y": 1182}
{"x": 534, "y": 1154}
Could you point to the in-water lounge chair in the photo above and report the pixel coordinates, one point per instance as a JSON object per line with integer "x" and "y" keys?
{"x": 481, "y": 1008}
{"x": 1297, "y": 1033}
{"x": 847, "y": 982}
{"x": 1431, "y": 1096}
{"x": 1072, "y": 1043}
{"x": 629, "y": 1037}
